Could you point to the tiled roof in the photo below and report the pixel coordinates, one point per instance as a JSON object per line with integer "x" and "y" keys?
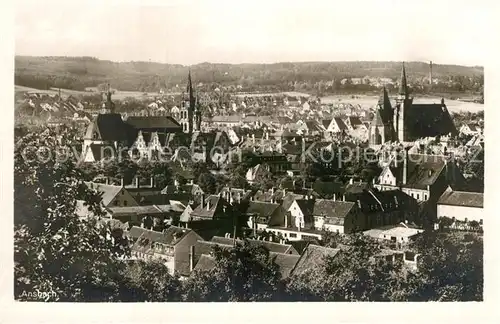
{"x": 355, "y": 121}
{"x": 340, "y": 123}
{"x": 331, "y": 208}
{"x": 313, "y": 256}
{"x": 135, "y": 232}
{"x": 356, "y": 187}
{"x": 263, "y": 210}
{"x": 201, "y": 210}
{"x": 110, "y": 126}
{"x": 152, "y": 122}
{"x": 428, "y": 120}
{"x": 271, "y": 246}
{"x": 286, "y": 262}
{"x": 462, "y": 198}
{"x": 205, "y": 263}
{"x": 423, "y": 170}
{"x": 108, "y": 191}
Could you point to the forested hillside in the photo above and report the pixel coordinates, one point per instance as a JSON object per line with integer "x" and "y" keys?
{"x": 77, "y": 73}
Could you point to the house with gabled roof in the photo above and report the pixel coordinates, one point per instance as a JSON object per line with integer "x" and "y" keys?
{"x": 338, "y": 216}
{"x": 112, "y": 195}
{"x": 336, "y": 126}
{"x": 312, "y": 257}
{"x": 470, "y": 129}
{"x": 172, "y": 247}
{"x": 264, "y": 214}
{"x": 423, "y": 177}
{"x": 461, "y": 206}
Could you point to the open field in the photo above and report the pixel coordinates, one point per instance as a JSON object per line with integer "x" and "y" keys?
{"x": 367, "y": 102}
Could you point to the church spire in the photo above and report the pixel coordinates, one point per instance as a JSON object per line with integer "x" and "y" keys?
{"x": 403, "y": 86}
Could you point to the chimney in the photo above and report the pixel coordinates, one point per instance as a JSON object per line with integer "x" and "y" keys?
{"x": 137, "y": 184}
{"x": 121, "y": 182}
{"x": 239, "y": 197}
{"x": 343, "y": 198}
{"x": 351, "y": 181}
{"x": 152, "y": 182}
{"x": 191, "y": 258}
{"x": 202, "y": 200}
{"x": 396, "y": 201}
{"x": 359, "y": 203}
{"x": 208, "y": 204}
{"x": 107, "y": 180}
{"x": 334, "y": 197}
{"x": 286, "y": 220}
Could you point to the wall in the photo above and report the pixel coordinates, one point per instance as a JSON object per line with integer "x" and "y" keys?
{"x": 297, "y": 215}
{"x": 293, "y": 235}
{"x": 460, "y": 212}
{"x": 122, "y": 197}
{"x": 334, "y": 228}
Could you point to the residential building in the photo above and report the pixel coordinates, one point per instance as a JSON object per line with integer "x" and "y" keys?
{"x": 342, "y": 217}
{"x": 423, "y": 177}
{"x": 172, "y": 247}
{"x": 113, "y": 196}
{"x": 400, "y": 234}
{"x": 461, "y": 206}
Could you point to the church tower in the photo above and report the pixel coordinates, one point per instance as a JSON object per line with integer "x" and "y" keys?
{"x": 188, "y": 106}
{"x": 108, "y": 107}
{"x": 381, "y": 129}
{"x": 403, "y": 103}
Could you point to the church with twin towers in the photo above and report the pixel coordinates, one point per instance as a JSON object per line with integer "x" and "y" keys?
{"x": 408, "y": 121}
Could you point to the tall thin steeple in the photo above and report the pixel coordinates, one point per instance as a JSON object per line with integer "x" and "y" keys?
{"x": 403, "y": 85}
{"x": 190, "y": 89}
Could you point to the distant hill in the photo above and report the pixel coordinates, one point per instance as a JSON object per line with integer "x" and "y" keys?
{"x": 77, "y": 73}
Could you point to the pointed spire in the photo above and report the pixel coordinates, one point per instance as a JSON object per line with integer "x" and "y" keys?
{"x": 190, "y": 84}
{"x": 384, "y": 98}
{"x": 377, "y": 119}
{"x": 403, "y": 86}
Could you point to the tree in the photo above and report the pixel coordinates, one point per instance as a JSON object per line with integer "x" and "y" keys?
{"x": 55, "y": 251}
{"x": 450, "y": 267}
{"x": 353, "y": 274}
{"x": 242, "y": 273}
{"x": 150, "y": 281}
{"x": 207, "y": 182}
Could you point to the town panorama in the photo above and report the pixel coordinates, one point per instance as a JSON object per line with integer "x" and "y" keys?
{"x": 342, "y": 181}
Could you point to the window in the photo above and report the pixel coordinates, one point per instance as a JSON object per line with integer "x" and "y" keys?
{"x": 125, "y": 203}
{"x": 116, "y": 202}
{"x": 293, "y": 235}
{"x": 337, "y": 231}
{"x": 418, "y": 196}
{"x": 466, "y": 219}
{"x": 480, "y": 222}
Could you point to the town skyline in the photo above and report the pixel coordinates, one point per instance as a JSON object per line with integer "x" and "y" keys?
{"x": 232, "y": 33}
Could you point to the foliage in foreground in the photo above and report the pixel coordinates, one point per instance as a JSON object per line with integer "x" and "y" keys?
{"x": 74, "y": 259}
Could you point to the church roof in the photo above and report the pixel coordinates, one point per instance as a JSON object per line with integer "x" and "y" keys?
{"x": 109, "y": 126}
{"x": 403, "y": 85}
{"x": 377, "y": 119}
{"x": 428, "y": 120}
{"x": 152, "y": 122}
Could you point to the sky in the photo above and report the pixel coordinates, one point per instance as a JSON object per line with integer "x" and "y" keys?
{"x": 190, "y": 32}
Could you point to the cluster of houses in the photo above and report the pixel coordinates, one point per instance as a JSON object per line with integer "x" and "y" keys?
{"x": 418, "y": 185}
